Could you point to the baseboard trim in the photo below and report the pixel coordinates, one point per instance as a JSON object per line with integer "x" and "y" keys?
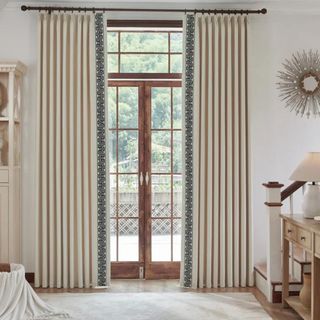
{"x": 30, "y": 277}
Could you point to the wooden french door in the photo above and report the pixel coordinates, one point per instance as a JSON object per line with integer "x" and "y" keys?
{"x": 145, "y": 178}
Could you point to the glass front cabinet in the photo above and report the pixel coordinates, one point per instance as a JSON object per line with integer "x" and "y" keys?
{"x": 10, "y": 161}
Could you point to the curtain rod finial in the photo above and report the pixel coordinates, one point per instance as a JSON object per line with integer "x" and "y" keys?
{"x": 23, "y": 8}
{"x": 264, "y": 11}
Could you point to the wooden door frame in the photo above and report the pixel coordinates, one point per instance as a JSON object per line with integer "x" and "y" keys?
{"x": 152, "y": 270}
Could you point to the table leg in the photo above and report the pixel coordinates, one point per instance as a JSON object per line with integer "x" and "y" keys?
{"x": 285, "y": 271}
{"x": 315, "y": 285}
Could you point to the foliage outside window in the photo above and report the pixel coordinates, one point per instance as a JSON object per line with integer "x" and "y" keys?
{"x": 147, "y": 51}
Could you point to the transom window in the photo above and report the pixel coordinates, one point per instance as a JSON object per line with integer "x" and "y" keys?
{"x": 145, "y": 50}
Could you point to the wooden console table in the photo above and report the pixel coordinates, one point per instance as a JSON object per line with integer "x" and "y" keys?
{"x": 306, "y": 234}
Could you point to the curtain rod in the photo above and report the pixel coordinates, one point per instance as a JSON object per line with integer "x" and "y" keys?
{"x": 93, "y": 9}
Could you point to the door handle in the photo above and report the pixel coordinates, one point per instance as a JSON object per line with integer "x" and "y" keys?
{"x": 141, "y": 179}
{"x": 147, "y": 178}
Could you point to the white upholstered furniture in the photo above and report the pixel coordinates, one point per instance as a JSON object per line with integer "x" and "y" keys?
{"x": 18, "y": 301}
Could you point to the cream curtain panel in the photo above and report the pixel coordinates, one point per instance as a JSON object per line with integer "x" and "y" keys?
{"x": 67, "y": 203}
{"x": 217, "y": 223}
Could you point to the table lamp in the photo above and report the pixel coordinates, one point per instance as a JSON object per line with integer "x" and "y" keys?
{"x": 309, "y": 170}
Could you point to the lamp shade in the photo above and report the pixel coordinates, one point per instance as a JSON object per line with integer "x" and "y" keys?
{"x": 308, "y": 169}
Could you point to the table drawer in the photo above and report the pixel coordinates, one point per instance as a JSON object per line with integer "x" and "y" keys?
{"x": 4, "y": 176}
{"x": 304, "y": 238}
{"x": 289, "y": 230}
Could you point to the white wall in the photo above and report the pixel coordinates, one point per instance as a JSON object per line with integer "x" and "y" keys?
{"x": 279, "y": 138}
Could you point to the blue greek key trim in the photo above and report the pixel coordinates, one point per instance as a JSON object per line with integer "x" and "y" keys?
{"x": 101, "y": 151}
{"x": 189, "y": 84}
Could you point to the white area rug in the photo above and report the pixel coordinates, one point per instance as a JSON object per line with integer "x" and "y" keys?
{"x": 157, "y": 306}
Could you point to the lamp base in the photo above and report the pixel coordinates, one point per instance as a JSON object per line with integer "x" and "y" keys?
{"x": 311, "y": 201}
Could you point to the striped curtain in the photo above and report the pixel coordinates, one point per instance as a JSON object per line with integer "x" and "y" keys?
{"x": 71, "y": 211}
{"x": 217, "y": 220}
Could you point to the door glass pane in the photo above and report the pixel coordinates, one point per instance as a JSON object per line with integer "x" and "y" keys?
{"x": 128, "y": 195}
{"x": 177, "y": 195}
{"x": 128, "y": 151}
{"x": 176, "y": 240}
{"x": 113, "y": 151}
{"x": 112, "y": 107}
{"x": 177, "y": 108}
{"x": 113, "y": 239}
{"x": 161, "y": 151}
{"x": 177, "y": 151}
{"x": 128, "y": 240}
{"x": 128, "y": 107}
{"x": 161, "y": 196}
{"x": 161, "y": 108}
{"x": 161, "y": 240}
{"x": 113, "y": 195}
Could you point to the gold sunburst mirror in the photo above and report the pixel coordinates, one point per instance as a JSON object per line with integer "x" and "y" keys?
{"x": 300, "y": 83}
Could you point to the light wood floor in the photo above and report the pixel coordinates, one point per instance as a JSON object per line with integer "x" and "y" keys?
{"x": 274, "y": 310}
